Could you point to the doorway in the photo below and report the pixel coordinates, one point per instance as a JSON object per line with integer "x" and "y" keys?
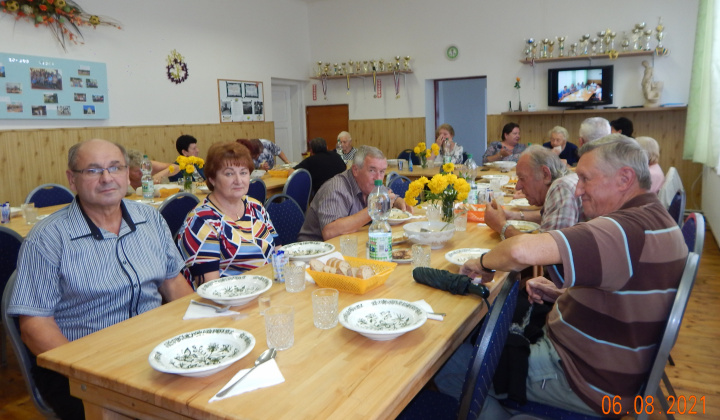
{"x": 287, "y": 117}
{"x": 462, "y": 103}
{"x": 327, "y": 121}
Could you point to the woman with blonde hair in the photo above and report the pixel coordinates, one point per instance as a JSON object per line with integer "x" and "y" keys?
{"x": 652, "y": 148}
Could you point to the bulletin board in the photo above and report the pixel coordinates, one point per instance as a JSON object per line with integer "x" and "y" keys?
{"x": 34, "y": 87}
{"x": 240, "y": 100}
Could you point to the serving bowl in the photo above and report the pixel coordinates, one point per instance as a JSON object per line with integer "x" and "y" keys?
{"x": 307, "y": 250}
{"x": 504, "y": 165}
{"x": 234, "y": 290}
{"x": 524, "y": 226}
{"x": 382, "y": 319}
{"x": 434, "y": 234}
{"x": 460, "y": 256}
{"x": 201, "y": 352}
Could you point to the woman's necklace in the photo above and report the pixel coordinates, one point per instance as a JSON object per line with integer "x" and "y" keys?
{"x": 224, "y": 210}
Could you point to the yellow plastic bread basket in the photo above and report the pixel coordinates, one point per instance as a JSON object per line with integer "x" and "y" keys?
{"x": 355, "y": 285}
{"x": 279, "y": 173}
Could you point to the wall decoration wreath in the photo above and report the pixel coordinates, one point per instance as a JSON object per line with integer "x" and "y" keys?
{"x": 177, "y": 69}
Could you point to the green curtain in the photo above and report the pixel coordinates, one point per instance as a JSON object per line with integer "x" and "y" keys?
{"x": 702, "y": 135}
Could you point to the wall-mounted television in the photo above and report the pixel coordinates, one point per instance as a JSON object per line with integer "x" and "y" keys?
{"x": 580, "y": 87}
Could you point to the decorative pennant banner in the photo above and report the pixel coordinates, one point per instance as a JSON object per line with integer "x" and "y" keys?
{"x": 314, "y": 91}
{"x": 396, "y": 75}
{"x": 379, "y": 89}
{"x": 323, "y": 80}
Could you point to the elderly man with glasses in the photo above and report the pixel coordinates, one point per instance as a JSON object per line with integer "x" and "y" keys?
{"x": 97, "y": 262}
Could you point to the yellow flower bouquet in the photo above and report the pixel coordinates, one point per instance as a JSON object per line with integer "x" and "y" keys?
{"x": 187, "y": 165}
{"x": 442, "y": 189}
{"x": 423, "y": 153}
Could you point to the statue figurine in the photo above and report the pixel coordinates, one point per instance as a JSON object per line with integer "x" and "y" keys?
{"x": 651, "y": 89}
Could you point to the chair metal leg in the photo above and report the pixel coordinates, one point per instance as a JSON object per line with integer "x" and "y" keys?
{"x": 670, "y": 360}
{"x": 3, "y": 347}
{"x": 668, "y": 385}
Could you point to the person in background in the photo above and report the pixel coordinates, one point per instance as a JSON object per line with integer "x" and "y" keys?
{"x": 322, "y": 164}
{"x": 340, "y": 206}
{"x": 559, "y": 144}
{"x": 92, "y": 264}
{"x": 446, "y": 133}
{"x": 135, "y": 157}
{"x": 623, "y": 126}
{"x": 592, "y": 129}
{"x": 509, "y": 148}
{"x": 345, "y": 147}
{"x": 263, "y": 152}
{"x": 229, "y": 232}
{"x": 186, "y": 145}
{"x": 547, "y": 183}
{"x": 652, "y": 148}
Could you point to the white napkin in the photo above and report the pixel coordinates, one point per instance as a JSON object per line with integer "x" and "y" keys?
{"x": 197, "y": 311}
{"x": 265, "y": 375}
{"x": 427, "y": 308}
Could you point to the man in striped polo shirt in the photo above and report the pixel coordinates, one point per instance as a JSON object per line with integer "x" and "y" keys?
{"x": 92, "y": 264}
{"x": 613, "y": 282}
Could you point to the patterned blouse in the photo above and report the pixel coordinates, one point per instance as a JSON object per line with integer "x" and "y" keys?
{"x": 270, "y": 150}
{"x": 495, "y": 147}
{"x": 346, "y": 157}
{"x": 456, "y": 155}
{"x": 210, "y": 241}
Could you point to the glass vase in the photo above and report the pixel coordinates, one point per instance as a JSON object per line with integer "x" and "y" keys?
{"x": 447, "y": 211}
{"x": 187, "y": 182}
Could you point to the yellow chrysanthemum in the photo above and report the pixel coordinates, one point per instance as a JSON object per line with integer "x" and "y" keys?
{"x": 172, "y": 169}
{"x": 451, "y": 178}
{"x": 421, "y": 146}
{"x": 435, "y": 148}
{"x": 427, "y": 153}
{"x": 448, "y": 167}
{"x": 189, "y": 169}
{"x": 410, "y": 201}
{"x": 422, "y": 180}
{"x": 437, "y": 184}
{"x": 416, "y": 150}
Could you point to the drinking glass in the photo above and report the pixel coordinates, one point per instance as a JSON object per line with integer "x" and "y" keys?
{"x": 279, "y": 327}
{"x": 294, "y": 278}
{"x": 29, "y": 212}
{"x": 263, "y": 304}
{"x": 348, "y": 245}
{"x": 325, "y": 308}
{"x": 434, "y": 212}
{"x": 460, "y": 219}
{"x": 420, "y": 255}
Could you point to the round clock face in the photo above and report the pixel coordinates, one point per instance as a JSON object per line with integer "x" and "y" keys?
{"x": 452, "y": 52}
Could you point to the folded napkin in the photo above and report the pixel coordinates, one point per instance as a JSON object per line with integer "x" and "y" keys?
{"x": 427, "y": 308}
{"x": 265, "y": 375}
{"x": 197, "y": 311}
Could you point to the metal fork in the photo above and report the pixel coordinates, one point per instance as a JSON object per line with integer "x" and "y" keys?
{"x": 218, "y": 309}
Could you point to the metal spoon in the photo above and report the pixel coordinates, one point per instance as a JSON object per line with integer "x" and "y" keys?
{"x": 266, "y": 356}
{"x": 218, "y": 309}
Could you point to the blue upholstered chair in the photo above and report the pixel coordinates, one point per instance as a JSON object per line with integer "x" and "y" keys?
{"x": 408, "y": 154}
{"x": 286, "y": 217}
{"x": 299, "y": 186}
{"x": 433, "y": 405}
{"x": 693, "y": 230}
{"x": 257, "y": 190}
{"x": 677, "y": 207}
{"x": 399, "y": 185}
{"x": 48, "y": 195}
{"x": 176, "y": 208}
{"x": 10, "y": 242}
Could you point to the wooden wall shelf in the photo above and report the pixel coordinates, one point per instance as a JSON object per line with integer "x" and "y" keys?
{"x": 586, "y": 57}
{"x": 593, "y": 111}
{"x": 364, "y": 75}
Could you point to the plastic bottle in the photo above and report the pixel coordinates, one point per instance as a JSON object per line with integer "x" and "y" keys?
{"x": 470, "y": 169}
{"x": 447, "y": 151}
{"x": 380, "y": 235}
{"x": 410, "y": 164}
{"x": 148, "y": 187}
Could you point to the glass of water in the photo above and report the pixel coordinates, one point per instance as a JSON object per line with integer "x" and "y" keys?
{"x": 325, "y": 308}
{"x": 280, "y": 327}
{"x": 348, "y": 245}
{"x": 421, "y": 255}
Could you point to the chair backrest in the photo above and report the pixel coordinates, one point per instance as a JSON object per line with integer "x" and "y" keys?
{"x": 48, "y": 195}
{"x": 286, "y": 217}
{"x": 389, "y": 177}
{"x": 176, "y": 208}
{"x": 25, "y": 361}
{"x": 10, "y": 242}
{"x": 671, "y": 329}
{"x": 257, "y": 189}
{"x": 408, "y": 154}
{"x": 399, "y": 185}
{"x": 670, "y": 187}
{"x": 299, "y": 186}
{"x": 693, "y": 230}
{"x": 489, "y": 347}
{"x": 677, "y": 207}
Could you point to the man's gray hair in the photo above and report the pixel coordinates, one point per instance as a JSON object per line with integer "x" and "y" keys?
{"x": 344, "y": 134}
{"x": 73, "y": 152}
{"x": 616, "y": 151}
{"x": 542, "y": 156}
{"x": 594, "y": 128}
{"x": 364, "y": 151}
{"x": 559, "y": 130}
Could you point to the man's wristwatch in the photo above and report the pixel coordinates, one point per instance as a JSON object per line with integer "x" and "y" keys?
{"x": 483, "y": 265}
{"x": 504, "y": 228}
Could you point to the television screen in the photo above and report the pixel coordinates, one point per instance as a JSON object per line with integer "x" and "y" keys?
{"x": 580, "y": 87}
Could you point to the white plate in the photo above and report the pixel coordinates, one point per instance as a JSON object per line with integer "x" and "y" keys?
{"x": 202, "y": 352}
{"x": 522, "y": 204}
{"x": 306, "y": 251}
{"x": 503, "y": 164}
{"x": 257, "y": 173}
{"x": 382, "y": 319}
{"x": 204, "y": 189}
{"x": 234, "y": 290}
{"x": 401, "y": 260}
{"x": 459, "y": 256}
{"x": 397, "y": 212}
{"x": 524, "y": 226}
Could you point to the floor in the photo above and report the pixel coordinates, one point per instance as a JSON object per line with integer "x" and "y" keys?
{"x": 695, "y": 376}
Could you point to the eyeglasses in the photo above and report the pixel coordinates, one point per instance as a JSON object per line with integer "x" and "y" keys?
{"x": 97, "y": 172}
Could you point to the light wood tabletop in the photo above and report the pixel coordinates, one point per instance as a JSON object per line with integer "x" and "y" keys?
{"x": 428, "y": 172}
{"x": 335, "y": 373}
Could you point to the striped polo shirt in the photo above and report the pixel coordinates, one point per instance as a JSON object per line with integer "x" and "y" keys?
{"x": 622, "y": 271}
{"x": 87, "y": 278}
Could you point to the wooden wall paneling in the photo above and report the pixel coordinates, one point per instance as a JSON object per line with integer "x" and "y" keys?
{"x": 33, "y": 157}
{"x": 392, "y": 136}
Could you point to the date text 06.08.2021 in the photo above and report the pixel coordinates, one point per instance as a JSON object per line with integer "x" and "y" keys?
{"x": 676, "y": 405}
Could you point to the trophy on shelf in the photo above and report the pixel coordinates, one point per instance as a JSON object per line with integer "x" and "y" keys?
{"x": 351, "y": 67}
{"x": 660, "y": 49}
{"x": 343, "y": 69}
{"x": 573, "y": 49}
{"x": 529, "y": 49}
{"x": 610, "y": 40}
{"x": 601, "y": 42}
{"x": 319, "y": 69}
{"x": 406, "y": 63}
{"x": 594, "y": 42}
{"x": 397, "y": 63}
{"x": 648, "y": 36}
{"x": 544, "y": 51}
{"x": 551, "y": 47}
{"x": 625, "y": 42}
{"x": 326, "y": 69}
{"x": 561, "y": 45}
{"x": 584, "y": 44}
{"x": 365, "y": 66}
{"x": 382, "y": 65}
{"x": 637, "y": 35}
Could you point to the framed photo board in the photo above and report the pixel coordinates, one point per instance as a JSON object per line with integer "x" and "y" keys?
{"x": 240, "y": 101}
{"x": 33, "y": 87}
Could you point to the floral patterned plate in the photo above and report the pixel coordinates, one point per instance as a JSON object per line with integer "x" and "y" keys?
{"x": 459, "y": 256}
{"x": 306, "y": 251}
{"x": 382, "y": 319}
{"x": 234, "y": 290}
{"x": 201, "y": 352}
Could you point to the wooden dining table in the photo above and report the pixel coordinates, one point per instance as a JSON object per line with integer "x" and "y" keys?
{"x": 335, "y": 373}
{"x": 428, "y": 172}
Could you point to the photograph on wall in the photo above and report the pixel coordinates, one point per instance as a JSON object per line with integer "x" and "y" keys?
{"x": 52, "y": 88}
{"x": 88, "y": 109}
{"x": 2, "y": 70}
{"x": 41, "y": 78}
{"x": 240, "y": 101}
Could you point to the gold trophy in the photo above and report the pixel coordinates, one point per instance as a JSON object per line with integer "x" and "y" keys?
{"x": 594, "y": 42}
{"x": 601, "y": 42}
{"x": 529, "y": 49}
{"x": 584, "y": 44}
{"x": 573, "y": 49}
{"x": 544, "y": 51}
{"x": 551, "y": 48}
{"x": 351, "y": 67}
{"x": 382, "y": 65}
{"x": 660, "y": 49}
{"x": 561, "y": 45}
{"x": 318, "y": 70}
{"x": 648, "y": 36}
{"x": 406, "y": 63}
{"x": 397, "y": 62}
{"x": 365, "y": 66}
